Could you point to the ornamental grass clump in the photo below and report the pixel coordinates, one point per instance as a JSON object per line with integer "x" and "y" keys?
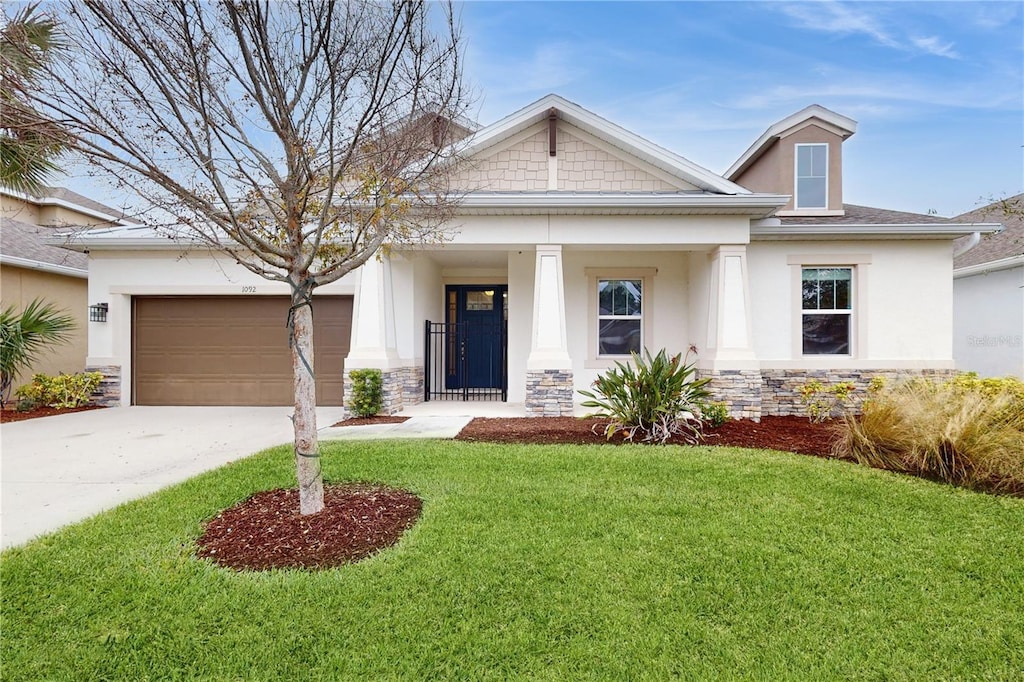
{"x": 651, "y": 402}
{"x": 965, "y": 432}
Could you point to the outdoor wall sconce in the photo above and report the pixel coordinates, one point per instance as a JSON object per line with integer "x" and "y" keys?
{"x": 98, "y": 312}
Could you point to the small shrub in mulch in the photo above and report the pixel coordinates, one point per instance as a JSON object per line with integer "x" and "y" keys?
{"x": 267, "y": 531}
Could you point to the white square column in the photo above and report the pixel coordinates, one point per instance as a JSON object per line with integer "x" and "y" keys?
{"x": 549, "y": 379}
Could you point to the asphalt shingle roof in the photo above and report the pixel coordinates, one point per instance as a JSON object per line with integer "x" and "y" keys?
{"x": 866, "y": 215}
{"x": 22, "y": 240}
{"x": 993, "y": 247}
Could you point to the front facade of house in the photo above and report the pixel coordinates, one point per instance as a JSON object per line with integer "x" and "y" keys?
{"x": 576, "y": 243}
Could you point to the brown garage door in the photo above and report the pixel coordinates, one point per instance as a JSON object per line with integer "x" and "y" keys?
{"x": 215, "y": 350}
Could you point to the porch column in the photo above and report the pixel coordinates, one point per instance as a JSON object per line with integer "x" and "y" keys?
{"x": 730, "y": 360}
{"x": 373, "y": 332}
{"x": 549, "y": 380}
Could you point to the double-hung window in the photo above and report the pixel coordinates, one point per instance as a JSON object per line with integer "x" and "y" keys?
{"x": 827, "y": 315}
{"x": 620, "y": 324}
{"x": 811, "y": 176}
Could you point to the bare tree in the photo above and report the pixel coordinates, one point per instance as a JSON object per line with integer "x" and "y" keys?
{"x": 297, "y": 136}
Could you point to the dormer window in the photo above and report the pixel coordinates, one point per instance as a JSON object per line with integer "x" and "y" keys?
{"x": 811, "y": 176}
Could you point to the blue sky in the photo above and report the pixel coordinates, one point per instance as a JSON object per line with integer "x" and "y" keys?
{"x": 937, "y": 88}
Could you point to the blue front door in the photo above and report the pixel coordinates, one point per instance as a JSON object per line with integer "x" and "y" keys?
{"x": 477, "y": 315}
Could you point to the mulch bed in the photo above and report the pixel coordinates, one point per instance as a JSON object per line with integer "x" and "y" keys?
{"x": 12, "y": 415}
{"x": 790, "y": 433}
{"x": 379, "y": 419}
{"x": 267, "y": 531}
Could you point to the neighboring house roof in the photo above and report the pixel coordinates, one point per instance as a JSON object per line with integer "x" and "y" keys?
{"x": 606, "y": 131}
{"x": 28, "y": 246}
{"x": 61, "y": 196}
{"x": 1008, "y": 244}
{"x": 842, "y": 126}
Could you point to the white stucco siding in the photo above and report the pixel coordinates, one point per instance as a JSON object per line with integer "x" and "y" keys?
{"x": 665, "y": 304}
{"x": 902, "y": 302}
{"x": 988, "y": 315}
{"x": 115, "y": 276}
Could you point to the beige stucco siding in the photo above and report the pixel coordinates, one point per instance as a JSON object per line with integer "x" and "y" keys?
{"x": 19, "y": 286}
{"x": 13, "y": 208}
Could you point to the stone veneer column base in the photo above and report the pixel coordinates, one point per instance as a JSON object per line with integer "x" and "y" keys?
{"x": 108, "y": 394}
{"x": 549, "y": 393}
{"x": 739, "y": 389}
{"x": 401, "y": 387}
{"x": 780, "y": 390}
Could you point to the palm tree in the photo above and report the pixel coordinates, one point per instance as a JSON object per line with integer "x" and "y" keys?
{"x": 26, "y": 336}
{"x": 29, "y": 143}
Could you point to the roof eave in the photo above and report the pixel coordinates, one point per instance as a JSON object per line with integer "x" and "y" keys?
{"x": 840, "y": 231}
{"x": 990, "y": 266}
{"x": 43, "y": 266}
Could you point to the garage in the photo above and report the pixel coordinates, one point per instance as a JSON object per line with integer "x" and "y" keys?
{"x": 230, "y": 350}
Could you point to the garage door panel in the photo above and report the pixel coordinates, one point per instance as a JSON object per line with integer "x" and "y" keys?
{"x": 232, "y": 351}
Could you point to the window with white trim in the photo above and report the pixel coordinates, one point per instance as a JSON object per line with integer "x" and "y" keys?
{"x": 620, "y": 324}
{"x": 827, "y": 310}
{"x": 811, "y": 176}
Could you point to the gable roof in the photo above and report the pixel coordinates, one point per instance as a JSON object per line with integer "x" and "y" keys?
{"x": 27, "y": 246}
{"x": 999, "y": 246}
{"x": 842, "y": 125}
{"x": 607, "y": 132}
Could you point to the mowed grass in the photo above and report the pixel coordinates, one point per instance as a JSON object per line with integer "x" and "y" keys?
{"x": 545, "y": 562}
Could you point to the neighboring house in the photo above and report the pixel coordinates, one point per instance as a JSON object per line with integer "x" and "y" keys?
{"x": 577, "y": 241}
{"x": 988, "y": 293}
{"x": 31, "y": 268}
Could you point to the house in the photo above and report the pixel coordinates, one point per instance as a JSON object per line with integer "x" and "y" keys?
{"x": 988, "y": 293}
{"x": 31, "y": 268}
{"x": 577, "y": 242}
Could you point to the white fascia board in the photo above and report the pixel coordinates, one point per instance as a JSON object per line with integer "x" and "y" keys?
{"x": 846, "y": 125}
{"x": 62, "y": 203}
{"x": 841, "y": 231}
{"x": 605, "y": 130}
{"x": 43, "y": 266}
{"x": 991, "y": 266}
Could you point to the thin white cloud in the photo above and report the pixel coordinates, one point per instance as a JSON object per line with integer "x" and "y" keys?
{"x": 830, "y": 16}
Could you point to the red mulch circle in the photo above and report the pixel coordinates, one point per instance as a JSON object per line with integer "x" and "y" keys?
{"x": 9, "y": 414}
{"x": 790, "y": 433}
{"x": 267, "y": 531}
{"x": 379, "y": 419}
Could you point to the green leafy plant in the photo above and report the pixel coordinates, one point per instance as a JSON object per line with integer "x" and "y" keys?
{"x": 25, "y": 336}
{"x": 652, "y": 397}
{"x": 715, "y": 413}
{"x": 367, "y": 392}
{"x": 61, "y": 391}
{"x": 963, "y": 431}
{"x": 821, "y": 402}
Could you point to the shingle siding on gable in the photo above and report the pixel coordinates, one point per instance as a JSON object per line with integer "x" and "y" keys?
{"x": 583, "y": 167}
{"x": 522, "y": 167}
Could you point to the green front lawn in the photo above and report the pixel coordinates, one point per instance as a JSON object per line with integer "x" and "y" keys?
{"x": 545, "y": 562}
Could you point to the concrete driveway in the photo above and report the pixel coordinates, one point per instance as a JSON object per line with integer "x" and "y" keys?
{"x": 62, "y": 469}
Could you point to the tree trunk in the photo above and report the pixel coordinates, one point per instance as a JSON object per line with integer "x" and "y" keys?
{"x": 307, "y": 449}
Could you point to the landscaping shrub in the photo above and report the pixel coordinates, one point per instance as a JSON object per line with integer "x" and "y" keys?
{"x": 61, "y": 391}
{"x": 27, "y": 336}
{"x": 367, "y": 392}
{"x": 821, "y": 403}
{"x": 656, "y": 400}
{"x": 964, "y": 431}
{"x": 716, "y": 413}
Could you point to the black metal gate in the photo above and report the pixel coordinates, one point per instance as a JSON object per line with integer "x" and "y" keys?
{"x": 466, "y": 361}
